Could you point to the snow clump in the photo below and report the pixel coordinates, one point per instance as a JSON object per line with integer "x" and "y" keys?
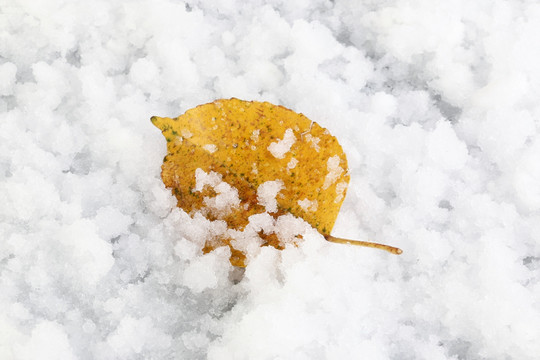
{"x": 435, "y": 104}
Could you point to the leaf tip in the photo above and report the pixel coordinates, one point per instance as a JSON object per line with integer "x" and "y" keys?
{"x": 158, "y": 122}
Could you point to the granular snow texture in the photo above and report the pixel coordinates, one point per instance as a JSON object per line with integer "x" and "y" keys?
{"x": 436, "y": 104}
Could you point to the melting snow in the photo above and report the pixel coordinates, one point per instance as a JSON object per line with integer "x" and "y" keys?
{"x": 334, "y": 171}
{"x": 211, "y": 148}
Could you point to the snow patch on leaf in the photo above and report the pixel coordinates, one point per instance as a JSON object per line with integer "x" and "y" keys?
{"x": 281, "y": 147}
{"x": 308, "y": 205}
{"x": 267, "y": 192}
{"x": 334, "y": 171}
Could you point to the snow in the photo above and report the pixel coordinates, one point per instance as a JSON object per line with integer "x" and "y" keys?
{"x": 292, "y": 163}
{"x": 308, "y": 205}
{"x": 435, "y": 104}
{"x": 47, "y": 338}
{"x": 314, "y": 141}
{"x": 282, "y": 146}
{"x": 211, "y": 148}
{"x": 7, "y": 78}
{"x": 334, "y": 171}
{"x": 226, "y": 196}
{"x": 267, "y": 193}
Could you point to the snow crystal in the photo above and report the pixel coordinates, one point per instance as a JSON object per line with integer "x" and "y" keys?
{"x": 281, "y": 147}
{"x": 267, "y": 192}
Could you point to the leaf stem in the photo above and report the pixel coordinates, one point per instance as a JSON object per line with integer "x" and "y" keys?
{"x": 391, "y": 249}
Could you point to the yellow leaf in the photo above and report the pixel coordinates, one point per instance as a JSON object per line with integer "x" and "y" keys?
{"x": 278, "y": 161}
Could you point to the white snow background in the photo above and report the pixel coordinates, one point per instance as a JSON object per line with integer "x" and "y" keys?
{"x": 435, "y": 103}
